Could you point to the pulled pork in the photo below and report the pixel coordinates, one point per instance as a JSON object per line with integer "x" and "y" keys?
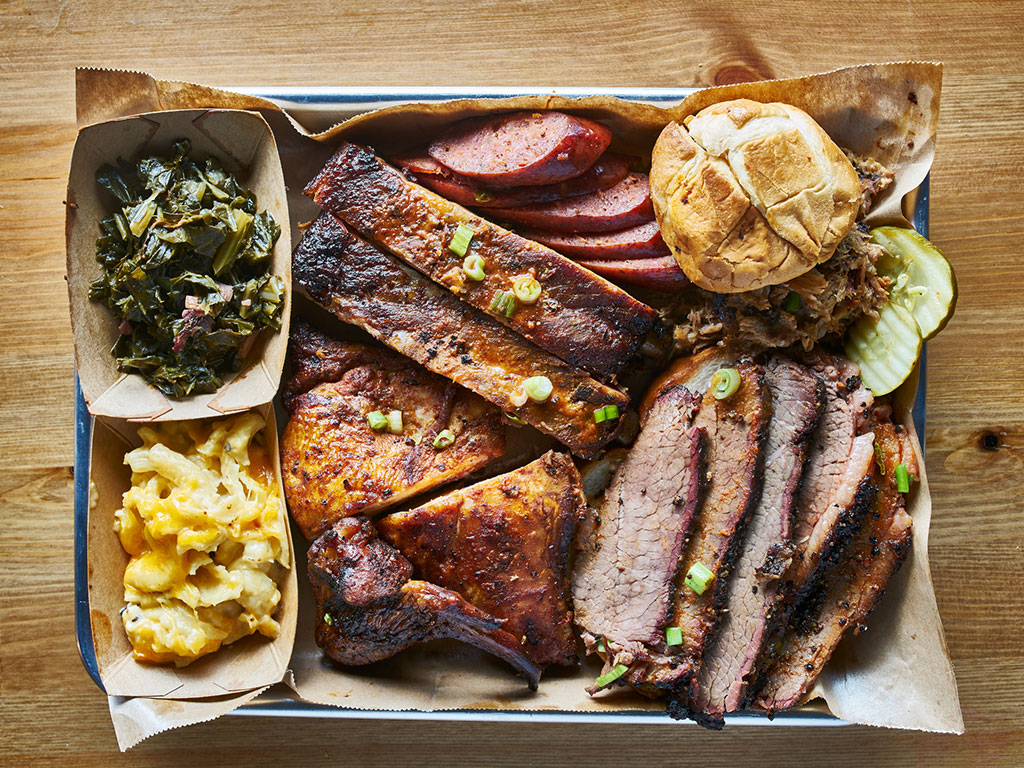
{"x": 818, "y": 304}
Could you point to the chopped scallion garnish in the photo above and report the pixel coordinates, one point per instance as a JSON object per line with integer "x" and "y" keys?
{"x": 673, "y": 636}
{"x": 503, "y": 303}
{"x": 526, "y": 289}
{"x": 903, "y": 478}
{"x": 601, "y": 648}
{"x": 328, "y": 620}
{"x": 473, "y": 265}
{"x": 515, "y": 420}
{"x": 395, "y": 425}
{"x": 444, "y": 439}
{"x": 538, "y": 388}
{"x": 698, "y": 578}
{"x": 611, "y": 676}
{"x": 608, "y": 413}
{"x": 377, "y": 420}
{"x": 725, "y": 383}
{"x": 460, "y": 240}
{"x": 792, "y": 303}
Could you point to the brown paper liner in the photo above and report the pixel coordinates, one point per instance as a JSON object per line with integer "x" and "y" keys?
{"x": 896, "y": 674}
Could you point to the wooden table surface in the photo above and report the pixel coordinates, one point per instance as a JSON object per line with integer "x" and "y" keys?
{"x": 51, "y": 712}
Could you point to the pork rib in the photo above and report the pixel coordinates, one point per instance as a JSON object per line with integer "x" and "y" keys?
{"x": 580, "y": 317}
{"x": 403, "y": 309}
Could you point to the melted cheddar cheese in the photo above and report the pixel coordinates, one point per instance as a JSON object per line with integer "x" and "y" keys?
{"x": 204, "y": 525}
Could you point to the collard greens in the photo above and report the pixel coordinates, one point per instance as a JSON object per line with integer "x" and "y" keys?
{"x": 186, "y": 262}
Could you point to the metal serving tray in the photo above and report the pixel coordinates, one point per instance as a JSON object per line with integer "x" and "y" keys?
{"x": 318, "y": 109}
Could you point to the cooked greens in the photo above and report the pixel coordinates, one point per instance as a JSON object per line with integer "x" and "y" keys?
{"x": 186, "y": 269}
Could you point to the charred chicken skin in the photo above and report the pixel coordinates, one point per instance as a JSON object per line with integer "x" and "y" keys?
{"x": 368, "y": 609}
{"x": 335, "y": 464}
{"x": 503, "y": 544}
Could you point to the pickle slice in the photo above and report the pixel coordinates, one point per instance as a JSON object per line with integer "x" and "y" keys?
{"x": 923, "y": 281}
{"x": 886, "y": 349}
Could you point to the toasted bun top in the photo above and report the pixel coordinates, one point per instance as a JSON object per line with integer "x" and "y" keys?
{"x": 750, "y": 194}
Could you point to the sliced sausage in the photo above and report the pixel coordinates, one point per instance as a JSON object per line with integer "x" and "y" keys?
{"x": 660, "y": 273}
{"x": 642, "y": 242}
{"x": 521, "y": 148}
{"x": 610, "y": 169}
{"x": 625, "y": 205}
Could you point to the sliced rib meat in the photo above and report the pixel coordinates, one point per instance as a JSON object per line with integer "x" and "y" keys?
{"x": 850, "y": 586}
{"x": 579, "y": 317}
{"x": 622, "y": 582}
{"x": 367, "y": 609}
{"x": 400, "y": 307}
{"x": 797, "y": 401}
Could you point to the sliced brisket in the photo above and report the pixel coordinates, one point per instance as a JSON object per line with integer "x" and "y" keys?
{"x": 851, "y": 584}
{"x": 622, "y": 584}
{"x": 797, "y": 402}
{"x": 737, "y": 427}
{"x": 839, "y": 462}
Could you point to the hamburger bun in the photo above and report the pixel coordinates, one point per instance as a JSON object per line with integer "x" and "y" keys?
{"x": 750, "y": 194}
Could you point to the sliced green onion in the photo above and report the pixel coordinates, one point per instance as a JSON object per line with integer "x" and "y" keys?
{"x": 515, "y": 419}
{"x": 538, "y": 388}
{"x": 482, "y": 196}
{"x": 608, "y": 413}
{"x": 725, "y": 383}
{"x": 526, "y": 289}
{"x": 328, "y": 620}
{"x": 460, "y": 240}
{"x": 698, "y": 578}
{"x": 601, "y": 648}
{"x": 444, "y": 439}
{"x": 395, "y": 422}
{"x": 673, "y": 635}
{"x": 611, "y": 676}
{"x": 792, "y": 303}
{"x": 902, "y": 478}
{"x": 377, "y": 420}
{"x": 504, "y": 302}
{"x": 473, "y": 265}
{"x": 880, "y": 458}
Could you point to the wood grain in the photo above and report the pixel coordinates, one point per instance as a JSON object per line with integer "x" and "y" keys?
{"x": 49, "y": 709}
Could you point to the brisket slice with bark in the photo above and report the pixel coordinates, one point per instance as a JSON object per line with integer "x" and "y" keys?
{"x": 737, "y": 427}
{"x": 797, "y": 402}
{"x": 850, "y": 585}
{"x": 839, "y": 461}
{"x": 622, "y": 584}
{"x": 836, "y": 491}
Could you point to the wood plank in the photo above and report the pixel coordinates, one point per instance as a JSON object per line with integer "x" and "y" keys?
{"x": 50, "y": 710}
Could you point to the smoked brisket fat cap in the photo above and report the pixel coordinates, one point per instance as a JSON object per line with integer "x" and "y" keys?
{"x": 750, "y": 194}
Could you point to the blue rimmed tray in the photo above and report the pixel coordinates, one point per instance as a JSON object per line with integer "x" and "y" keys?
{"x": 318, "y": 109}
